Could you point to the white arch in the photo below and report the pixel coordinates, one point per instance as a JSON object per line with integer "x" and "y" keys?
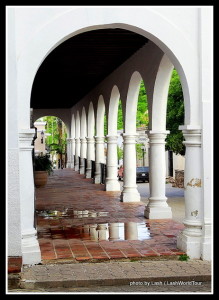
{"x": 77, "y": 128}
{"x": 83, "y": 124}
{"x": 100, "y": 117}
{"x": 159, "y": 104}
{"x": 131, "y": 103}
{"x": 90, "y": 121}
{"x": 113, "y": 111}
{"x": 52, "y": 115}
{"x": 73, "y": 126}
{"x": 148, "y": 24}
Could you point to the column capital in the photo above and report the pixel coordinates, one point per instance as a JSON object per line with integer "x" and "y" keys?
{"x": 192, "y": 137}
{"x": 90, "y": 139}
{"x": 26, "y": 138}
{"x": 157, "y": 137}
{"x": 129, "y": 138}
{"x": 99, "y": 139}
{"x": 112, "y": 138}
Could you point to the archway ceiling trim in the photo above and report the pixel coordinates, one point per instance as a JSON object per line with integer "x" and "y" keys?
{"x": 76, "y": 66}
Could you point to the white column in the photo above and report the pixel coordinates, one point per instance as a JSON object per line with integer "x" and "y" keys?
{"x": 72, "y": 152}
{"x": 90, "y": 155}
{"x": 68, "y": 153}
{"x": 83, "y": 154}
{"x": 189, "y": 239}
{"x": 99, "y": 157}
{"x": 77, "y": 153}
{"x": 30, "y": 246}
{"x": 157, "y": 207}
{"x": 130, "y": 192}
{"x": 112, "y": 183}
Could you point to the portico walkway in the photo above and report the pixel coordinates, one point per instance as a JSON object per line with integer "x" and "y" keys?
{"x": 79, "y": 221}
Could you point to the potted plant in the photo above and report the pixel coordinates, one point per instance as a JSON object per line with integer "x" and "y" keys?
{"x": 42, "y": 168}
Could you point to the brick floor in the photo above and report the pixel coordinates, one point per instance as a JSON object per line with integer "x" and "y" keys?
{"x": 78, "y": 221}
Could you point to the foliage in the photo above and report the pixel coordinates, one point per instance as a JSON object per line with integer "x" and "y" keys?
{"x": 142, "y": 119}
{"x": 139, "y": 151}
{"x": 119, "y": 153}
{"x": 184, "y": 257}
{"x": 57, "y": 140}
{"x": 175, "y": 115}
{"x": 43, "y": 163}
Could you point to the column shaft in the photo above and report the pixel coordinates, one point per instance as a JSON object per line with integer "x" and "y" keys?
{"x": 72, "y": 152}
{"x": 77, "y": 153}
{"x": 68, "y": 153}
{"x": 99, "y": 157}
{"x": 157, "y": 207}
{"x": 130, "y": 192}
{"x": 112, "y": 183}
{"x": 90, "y": 155}
{"x": 83, "y": 154}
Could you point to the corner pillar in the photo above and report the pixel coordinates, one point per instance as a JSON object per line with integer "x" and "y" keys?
{"x": 29, "y": 244}
{"x": 189, "y": 239}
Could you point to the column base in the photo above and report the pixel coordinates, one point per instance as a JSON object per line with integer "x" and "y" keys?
{"x": 158, "y": 208}
{"x": 97, "y": 179}
{"x": 31, "y": 253}
{"x": 112, "y": 185}
{"x": 190, "y": 244}
{"x": 130, "y": 197}
{"x": 81, "y": 171}
{"x": 88, "y": 173}
{"x": 158, "y": 212}
{"x": 77, "y": 167}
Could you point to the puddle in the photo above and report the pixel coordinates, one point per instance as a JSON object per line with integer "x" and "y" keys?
{"x": 94, "y": 232}
{"x": 56, "y": 214}
{"x": 100, "y": 232}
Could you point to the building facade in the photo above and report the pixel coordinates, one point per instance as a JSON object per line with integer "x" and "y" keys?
{"x": 172, "y": 37}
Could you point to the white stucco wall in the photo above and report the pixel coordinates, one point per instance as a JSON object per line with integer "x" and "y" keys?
{"x": 13, "y": 191}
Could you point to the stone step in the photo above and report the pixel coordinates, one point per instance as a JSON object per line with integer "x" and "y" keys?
{"x": 115, "y": 273}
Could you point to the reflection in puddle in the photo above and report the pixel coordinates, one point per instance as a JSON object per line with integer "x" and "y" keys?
{"x": 98, "y": 231}
{"x": 110, "y": 231}
{"x": 56, "y": 214}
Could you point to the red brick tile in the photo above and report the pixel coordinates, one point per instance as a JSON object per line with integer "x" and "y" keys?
{"x": 68, "y": 189}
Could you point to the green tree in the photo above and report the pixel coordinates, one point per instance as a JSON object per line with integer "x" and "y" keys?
{"x": 175, "y": 115}
{"x": 142, "y": 119}
{"x": 57, "y": 139}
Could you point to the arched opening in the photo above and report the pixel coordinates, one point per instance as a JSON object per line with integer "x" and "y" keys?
{"x": 68, "y": 101}
{"x": 142, "y": 123}
{"x": 51, "y": 139}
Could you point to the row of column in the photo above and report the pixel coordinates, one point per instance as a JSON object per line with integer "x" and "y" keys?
{"x": 157, "y": 208}
{"x": 189, "y": 240}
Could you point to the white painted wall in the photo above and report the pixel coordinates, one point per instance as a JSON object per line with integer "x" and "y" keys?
{"x": 13, "y": 189}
